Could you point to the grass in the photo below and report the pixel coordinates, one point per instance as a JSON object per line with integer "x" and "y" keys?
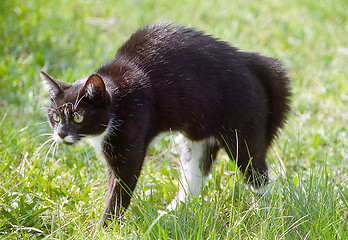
{"x": 59, "y": 193}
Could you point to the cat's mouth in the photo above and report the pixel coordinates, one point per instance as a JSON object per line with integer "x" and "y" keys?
{"x": 67, "y": 140}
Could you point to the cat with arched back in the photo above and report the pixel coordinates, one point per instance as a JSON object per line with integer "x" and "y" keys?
{"x": 168, "y": 77}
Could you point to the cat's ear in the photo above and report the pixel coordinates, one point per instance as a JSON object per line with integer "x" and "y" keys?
{"x": 94, "y": 87}
{"x": 54, "y": 87}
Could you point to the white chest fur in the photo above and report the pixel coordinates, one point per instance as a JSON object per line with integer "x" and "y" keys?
{"x": 97, "y": 142}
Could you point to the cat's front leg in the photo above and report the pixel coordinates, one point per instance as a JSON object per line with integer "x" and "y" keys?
{"x": 116, "y": 200}
{"x": 124, "y": 171}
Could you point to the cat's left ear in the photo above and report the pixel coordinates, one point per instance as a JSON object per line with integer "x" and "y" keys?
{"x": 53, "y": 86}
{"x": 94, "y": 87}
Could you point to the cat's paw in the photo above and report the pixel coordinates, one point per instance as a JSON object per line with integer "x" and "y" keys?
{"x": 162, "y": 212}
{"x": 262, "y": 197}
{"x": 264, "y": 190}
{"x": 181, "y": 197}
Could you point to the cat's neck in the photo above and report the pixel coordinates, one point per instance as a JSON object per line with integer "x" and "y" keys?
{"x": 97, "y": 141}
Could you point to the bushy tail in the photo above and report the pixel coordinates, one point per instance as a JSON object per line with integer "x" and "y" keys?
{"x": 277, "y": 85}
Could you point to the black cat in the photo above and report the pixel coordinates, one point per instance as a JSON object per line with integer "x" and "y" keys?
{"x": 169, "y": 77}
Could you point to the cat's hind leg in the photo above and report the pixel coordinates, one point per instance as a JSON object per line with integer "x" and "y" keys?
{"x": 251, "y": 161}
{"x": 195, "y": 160}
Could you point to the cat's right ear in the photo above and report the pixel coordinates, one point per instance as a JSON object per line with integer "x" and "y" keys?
{"x": 53, "y": 86}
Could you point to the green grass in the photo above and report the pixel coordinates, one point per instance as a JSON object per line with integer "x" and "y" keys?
{"x": 60, "y": 194}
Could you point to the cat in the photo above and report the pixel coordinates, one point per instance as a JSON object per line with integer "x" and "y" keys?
{"x": 170, "y": 77}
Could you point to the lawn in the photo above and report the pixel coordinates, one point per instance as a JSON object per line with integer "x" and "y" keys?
{"x": 58, "y": 193}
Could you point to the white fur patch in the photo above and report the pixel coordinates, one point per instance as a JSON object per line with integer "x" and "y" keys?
{"x": 192, "y": 179}
{"x": 69, "y": 139}
{"x": 58, "y": 139}
{"x": 262, "y": 190}
{"x": 97, "y": 141}
{"x": 90, "y": 88}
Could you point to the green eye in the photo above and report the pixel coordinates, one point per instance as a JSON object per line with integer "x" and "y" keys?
{"x": 78, "y": 118}
{"x": 56, "y": 117}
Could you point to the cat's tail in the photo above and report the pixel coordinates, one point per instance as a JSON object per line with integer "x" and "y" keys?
{"x": 277, "y": 85}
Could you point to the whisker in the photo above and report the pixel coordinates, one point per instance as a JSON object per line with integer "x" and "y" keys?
{"x": 55, "y": 149}
{"x": 44, "y": 144}
{"x": 78, "y": 102}
{"x": 49, "y": 151}
{"x": 42, "y": 135}
{"x": 107, "y": 144}
{"x": 45, "y": 108}
{"x": 88, "y": 157}
{"x": 49, "y": 164}
{"x": 50, "y": 109}
{"x": 55, "y": 103}
{"x": 36, "y": 124}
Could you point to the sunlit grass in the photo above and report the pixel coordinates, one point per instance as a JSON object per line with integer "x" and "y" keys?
{"x": 58, "y": 193}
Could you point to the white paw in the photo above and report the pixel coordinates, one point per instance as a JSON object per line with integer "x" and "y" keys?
{"x": 262, "y": 190}
{"x": 181, "y": 197}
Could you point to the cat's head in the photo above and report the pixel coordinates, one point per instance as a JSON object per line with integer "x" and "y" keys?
{"x": 78, "y": 110}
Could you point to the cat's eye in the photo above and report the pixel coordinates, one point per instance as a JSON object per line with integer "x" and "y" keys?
{"x": 56, "y": 117}
{"x": 78, "y": 118}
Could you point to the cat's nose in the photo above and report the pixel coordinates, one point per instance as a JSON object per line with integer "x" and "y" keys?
{"x": 62, "y": 135}
{"x": 62, "y": 132}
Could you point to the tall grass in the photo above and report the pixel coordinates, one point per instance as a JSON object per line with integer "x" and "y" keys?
{"x": 58, "y": 193}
